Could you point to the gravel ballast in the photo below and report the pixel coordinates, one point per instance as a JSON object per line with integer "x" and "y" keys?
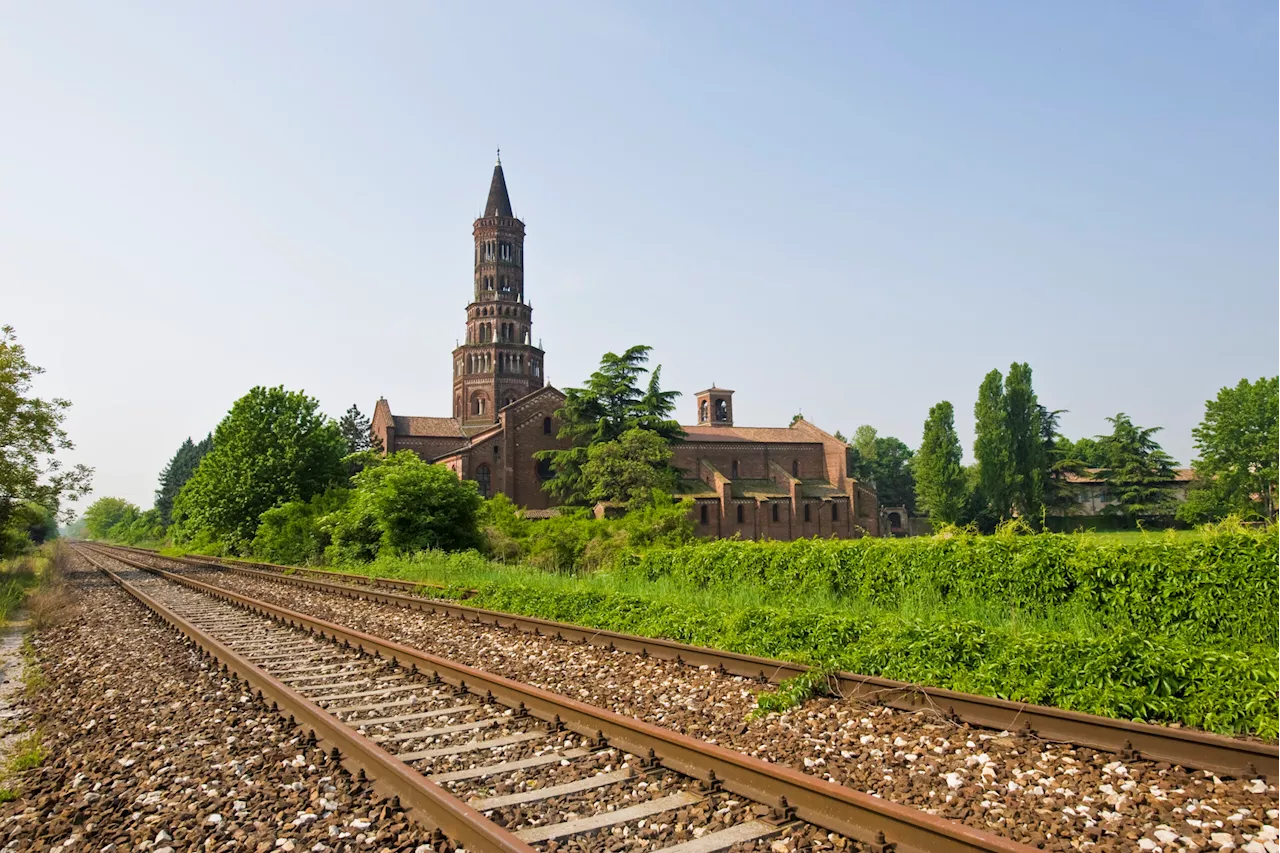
{"x": 150, "y": 749}
{"x": 1054, "y": 796}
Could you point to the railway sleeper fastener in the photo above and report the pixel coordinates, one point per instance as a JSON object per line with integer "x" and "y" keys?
{"x": 880, "y": 845}
{"x": 1127, "y": 752}
{"x": 783, "y": 813}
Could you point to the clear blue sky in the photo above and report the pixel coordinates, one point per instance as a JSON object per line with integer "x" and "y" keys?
{"x": 854, "y": 210}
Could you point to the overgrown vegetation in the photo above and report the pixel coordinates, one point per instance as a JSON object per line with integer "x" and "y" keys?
{"x": 1162, "y": 627}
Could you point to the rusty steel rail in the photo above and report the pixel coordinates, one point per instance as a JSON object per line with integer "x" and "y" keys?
{"x": 427, "y": 803}
{"x": 1225, "y": 756}
{"x": 872, "y": 820}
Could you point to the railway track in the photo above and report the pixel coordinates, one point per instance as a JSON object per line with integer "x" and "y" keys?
{"x": 1225, "y": 756}
{"x": 447, "y": 740}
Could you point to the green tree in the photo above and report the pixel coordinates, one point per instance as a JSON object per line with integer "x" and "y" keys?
{"x": 405, "y": 505}
{"x": 612, "y": 403}
{"x": 1062, "y": 461}
{"x": 940, "y": 479}
{"x": 1089, "y": 451}
{"x": 1239, "y": 452}
{"x": 29, "y": 524}
{"x": 176, "y": 473}
{"x": 1026, "y": 442}
{"x": 884, "y": 462}
{"x": 107, "y": 514}
{"x": 31, "y": 435}
{"x": 357, "y": 430}
{"x": 1137, "y": 472}
{"x": 629, "y": 470}
{"x": 273, "y": 447}
{"x": 993, "y": 446}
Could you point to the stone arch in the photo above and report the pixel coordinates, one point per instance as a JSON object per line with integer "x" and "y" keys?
{"x": 479, "y": 403}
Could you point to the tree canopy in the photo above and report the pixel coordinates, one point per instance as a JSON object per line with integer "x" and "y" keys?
{"x": 1010, "y": 444}
{"x": 940, "y": 479}
{"x": 31, "y": 434}
{"x": 1238, "y": 443}
{"x": 613, "y": 402}
{"x": 993, "y": 446}
{"x": 884, "y": 462}
{"x": 273, "y": 447}
{"x": 629, "y": 470}
{"x": 176, "y": 473}
{"x": 1137, "y": 471}
{"x": 356, "y": 429}
{"x": 403, "y": 505}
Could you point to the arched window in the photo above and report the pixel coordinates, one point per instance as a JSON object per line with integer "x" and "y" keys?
{"x": 734, "y": 469}
{"x": 806, "y": 512}
{"x": 511, "y": 398}
{"x": 482, "y": 480}
{"x": 740, "y": 514}
{"x": 722, "y": 410}
{"x": 775, "y": 510}
{"x": 703, "y": 408}
{"x": 795, "y": 472}
{"x": 457, "y": 406}
{"x": 543, "y": 470}
{"x": 546, "y": 426}
{"x": 478, "y": 404}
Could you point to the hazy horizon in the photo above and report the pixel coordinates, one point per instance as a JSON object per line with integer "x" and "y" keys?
{"x": 853, "y": 212}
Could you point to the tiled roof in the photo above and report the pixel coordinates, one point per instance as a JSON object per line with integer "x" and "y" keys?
{"x": 693, "y": 488}
{"x": 758, "y": 489}
{"x": 428, "y": 427}
{"x": 758, "y": 435}
{"x": 1094, "y": 475}
{"x": 818, "y": 489}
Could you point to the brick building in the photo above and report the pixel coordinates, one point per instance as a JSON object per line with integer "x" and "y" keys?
{"x": 758, "y": 482}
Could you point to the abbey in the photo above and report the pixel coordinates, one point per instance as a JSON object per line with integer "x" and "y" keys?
{"x": 757, "y": 482}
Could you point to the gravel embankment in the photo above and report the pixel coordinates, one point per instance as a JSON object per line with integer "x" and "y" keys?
{"x": 148, "y": 749}
{"x": 1050, "y": 795}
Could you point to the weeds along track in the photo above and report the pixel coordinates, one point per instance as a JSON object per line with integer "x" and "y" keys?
{"x": 1225, "y": 756}
{"x": 499, "y": 765}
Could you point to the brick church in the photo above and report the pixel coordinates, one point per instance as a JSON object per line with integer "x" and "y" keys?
{"x": 759, "y": 482}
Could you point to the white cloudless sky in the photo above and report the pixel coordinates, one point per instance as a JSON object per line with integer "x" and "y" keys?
{"x": 850, "y": 210}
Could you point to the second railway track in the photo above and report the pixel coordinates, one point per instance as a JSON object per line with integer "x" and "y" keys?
{"x": 437, "y": 733}
{"x": 1225, "y": 756}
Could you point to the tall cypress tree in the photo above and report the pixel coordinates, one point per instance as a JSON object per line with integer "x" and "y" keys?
{"x": 1026, "y": 443}
{"x": 992, "y": 446}
{"x": 940, "y": 480}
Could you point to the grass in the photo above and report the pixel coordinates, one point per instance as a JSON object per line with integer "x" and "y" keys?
{"x": 1068, "y": 655}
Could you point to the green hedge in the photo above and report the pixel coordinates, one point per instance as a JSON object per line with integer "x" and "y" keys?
{"x": 1222, "y": 585}
{"x": 1127, "y": 673}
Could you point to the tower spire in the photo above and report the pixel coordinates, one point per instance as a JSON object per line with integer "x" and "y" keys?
{"x": 498, "y": 203}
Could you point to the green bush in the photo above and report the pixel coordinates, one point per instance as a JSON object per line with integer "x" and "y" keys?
{"x": 402, "y": 505}
{"x": 1220, "y": 585}
{"x": 1126, "y": 673}
{"x": 292, "y": 534}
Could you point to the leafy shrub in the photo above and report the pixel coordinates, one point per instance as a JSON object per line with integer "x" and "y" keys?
{"x": 402, "y": 505}
{"x": 1222, "y": 584}
{"x": 292, "y": 533}
{"x": 1127, "y": 674}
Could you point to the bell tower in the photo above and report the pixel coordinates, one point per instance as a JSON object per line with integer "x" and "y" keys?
{"x": 498, "y": 363}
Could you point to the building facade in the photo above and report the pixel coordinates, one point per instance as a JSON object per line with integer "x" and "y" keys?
{"x": 755, "y": 482}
